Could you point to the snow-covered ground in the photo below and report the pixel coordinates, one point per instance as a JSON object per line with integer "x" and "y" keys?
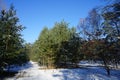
{"x": 31, "y": 71}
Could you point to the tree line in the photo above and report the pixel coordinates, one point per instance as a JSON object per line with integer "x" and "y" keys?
{"x": 98, "y": 39}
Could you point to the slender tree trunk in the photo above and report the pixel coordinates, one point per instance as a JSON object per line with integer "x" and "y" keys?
{"x": 106, "y": 67}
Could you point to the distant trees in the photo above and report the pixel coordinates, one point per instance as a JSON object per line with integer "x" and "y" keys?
{"x": 12, "y": 50}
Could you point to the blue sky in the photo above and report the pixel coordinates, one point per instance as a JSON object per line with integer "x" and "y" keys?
{"x": 36, "y": 14}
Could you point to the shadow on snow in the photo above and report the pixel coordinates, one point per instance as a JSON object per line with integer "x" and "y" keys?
{"x": 14, "y": 69}
{"x": 88, "y": 73}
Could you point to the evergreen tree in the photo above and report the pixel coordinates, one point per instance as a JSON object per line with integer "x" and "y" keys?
{"x": 57, "y": 46}
{"x": 11, "y": 43}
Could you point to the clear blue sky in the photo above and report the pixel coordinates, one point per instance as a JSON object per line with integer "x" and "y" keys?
{"x": 35, "y": 14}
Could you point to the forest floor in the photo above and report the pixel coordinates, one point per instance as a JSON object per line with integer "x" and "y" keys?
{"x": 31, "y": 71}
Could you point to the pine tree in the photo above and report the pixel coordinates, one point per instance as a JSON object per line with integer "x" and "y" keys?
{"x": 11, "y": 43}
{"x": 52, "y": 49}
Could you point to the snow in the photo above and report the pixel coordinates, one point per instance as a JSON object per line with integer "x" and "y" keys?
{"x": 31, "y": 71}
{"x": 90, "y": 63}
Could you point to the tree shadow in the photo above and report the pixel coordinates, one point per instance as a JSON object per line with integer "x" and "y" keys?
{"x": 17, "y": 68}
{"x": 87, "y": 73}
{"x": 6, "y": 74}
{"x": 14, "y": 69}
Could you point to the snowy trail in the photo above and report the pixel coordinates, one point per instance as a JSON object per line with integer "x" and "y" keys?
{"x": 32, "y": 71}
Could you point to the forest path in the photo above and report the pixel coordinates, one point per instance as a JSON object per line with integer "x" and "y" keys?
{"x": 32, "y": 71}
